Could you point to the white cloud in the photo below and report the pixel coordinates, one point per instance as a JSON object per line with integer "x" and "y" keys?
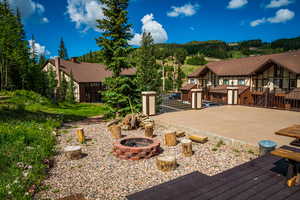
{"x": 192, "y": 28}
{"x": 38, "y": 48}
{"x": 258, "y": 22}
{"x": 85, "y": 13}
{"x": 27, "y": 7}
{"x": 233, "y": 4}
{"x": 279, "y": 3}
{"x": 45, "y": 20}
{"x": 185, "y": 10}
{"x": 281, "y": 16}
{"x": 157, "y": 31}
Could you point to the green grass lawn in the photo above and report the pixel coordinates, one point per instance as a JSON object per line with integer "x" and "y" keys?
{"x": 188, "y": 69}
{"x": 27, "y": 121}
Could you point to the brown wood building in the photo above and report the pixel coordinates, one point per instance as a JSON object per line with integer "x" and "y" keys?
{"x": 268, "y": 80}
{"x": 87, "y": 77}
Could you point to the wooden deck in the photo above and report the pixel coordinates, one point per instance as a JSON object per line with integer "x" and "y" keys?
{"x": 262, "y": 178}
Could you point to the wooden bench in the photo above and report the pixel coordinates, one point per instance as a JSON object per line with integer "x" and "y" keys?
{"x": 293, "y": 158}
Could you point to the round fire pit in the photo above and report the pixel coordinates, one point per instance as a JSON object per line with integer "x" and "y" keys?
{"x": 136, "y": 148}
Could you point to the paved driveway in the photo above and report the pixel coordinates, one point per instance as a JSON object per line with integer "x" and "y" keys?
{"x": 242, "y": 123}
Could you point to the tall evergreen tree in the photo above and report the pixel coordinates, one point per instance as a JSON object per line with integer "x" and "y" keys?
{"x": 148, "y": 76}
{"x": 15, "y": 61}
{"x": 62, "y": 51}
{"x": 115, "y": 36}
{"x": 122, "y": 91}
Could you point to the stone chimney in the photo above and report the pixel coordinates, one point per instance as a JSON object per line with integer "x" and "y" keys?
{"x": 74, "y": 60}
{"x": 57, "y": 69}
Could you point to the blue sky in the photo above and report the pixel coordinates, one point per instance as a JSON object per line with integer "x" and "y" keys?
{"x": 170, "y": 21}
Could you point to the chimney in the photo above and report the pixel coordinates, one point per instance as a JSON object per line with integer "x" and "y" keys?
{"x": 74, "y": 60}
{"x": 57, "y": 69}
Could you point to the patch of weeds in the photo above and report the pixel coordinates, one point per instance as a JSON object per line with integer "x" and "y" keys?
{"x": 250, "y": 151}
{"x": 236, "y": 150}
{"x": 79, "y": 166}
{"x": 55, "y": 191}
{"x": 45, "y": 188}
{"x": 69, "y": 139}
{"x": 220, "y": 143}
{"x": 214, "y": 149}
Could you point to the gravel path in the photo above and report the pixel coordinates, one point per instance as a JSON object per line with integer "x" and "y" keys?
{"x": 100, "y": 175}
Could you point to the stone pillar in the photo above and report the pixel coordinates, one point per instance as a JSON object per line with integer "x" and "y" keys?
{"x": 232, "y": 95}
{"x": 149, "y": 103}
{"x": 197, "y": 96}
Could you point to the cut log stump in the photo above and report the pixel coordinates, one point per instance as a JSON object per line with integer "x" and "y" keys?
{"x": 170, "y": 139}
{"x": 149, "y": 130}
{"x": 187, "y": 149}
{"x": 197, "y": 138}
{"x": 180, "y": 134}
{"x": 166, "y": 163}
{"x": 73, "y": 152}
{"x": 115, "y": 131}
{"x": 80, "y": 135}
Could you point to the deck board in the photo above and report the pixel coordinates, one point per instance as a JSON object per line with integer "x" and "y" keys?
{"x": 261, "y": 178}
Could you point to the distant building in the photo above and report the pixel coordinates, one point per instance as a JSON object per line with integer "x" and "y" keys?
{"x": 87, "y": 77}
{"x": 278, "y": 73}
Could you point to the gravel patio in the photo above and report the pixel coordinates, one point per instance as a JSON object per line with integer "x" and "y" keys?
{"x": 100, "y": 175}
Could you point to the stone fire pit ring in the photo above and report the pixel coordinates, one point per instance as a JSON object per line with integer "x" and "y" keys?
{"x": 136, "y": 148}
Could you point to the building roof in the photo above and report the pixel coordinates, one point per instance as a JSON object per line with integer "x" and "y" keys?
{"x": 222, "y": 89}
{"x": 199, "y": 71}
{"x": 83, "y": 72}
{"x": 247, "y": 66}
{"x": 188, "y": 86}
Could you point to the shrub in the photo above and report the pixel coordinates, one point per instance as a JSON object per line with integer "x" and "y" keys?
{"x": 196, "y": 60}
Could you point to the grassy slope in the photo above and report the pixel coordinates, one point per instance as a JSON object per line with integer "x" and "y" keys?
{"x": 27, "y": 121}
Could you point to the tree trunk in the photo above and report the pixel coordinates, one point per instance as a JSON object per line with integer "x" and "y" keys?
{"x": 166, "y": 163}
{"x": 149, "y": 130}
{"x": 80, "y": 135}
{"x": 186, "y": 145}
{"x": 180, "y": 134}
{"x": 115, "y": 131}
{"x": 170, "y": 139}
{"x": 73, "y": 152}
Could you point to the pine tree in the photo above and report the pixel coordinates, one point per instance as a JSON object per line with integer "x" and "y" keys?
{"x": 122, "y": 91}
{"x": 52, "y": 83}
{"x": 62, "y": 51}
{"x": 115, "y": 36}
{"x": 148, "y": 75}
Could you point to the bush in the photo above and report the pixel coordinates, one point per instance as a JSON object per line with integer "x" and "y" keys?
{"x": 196, "y": 60}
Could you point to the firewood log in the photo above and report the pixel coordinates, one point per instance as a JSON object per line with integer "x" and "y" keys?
{"x": 197, "y": 138}
{"x": 180, "y": 134}
{"x": 186, "y": 145}
{"x": 73, "y": 152}
{"x": 115, "y": 131}
{"x": 170, "y": 139}
{"x": 166, "y": 163}
{"x": 80, "y": 135}
{"x": 149, "y": 130}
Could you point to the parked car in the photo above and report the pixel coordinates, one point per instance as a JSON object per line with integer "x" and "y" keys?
{"x": 175, "y": 96}
{"x": 209, "y": 104}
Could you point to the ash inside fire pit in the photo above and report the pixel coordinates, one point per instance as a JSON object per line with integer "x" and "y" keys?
{"x": 136, "y": 142}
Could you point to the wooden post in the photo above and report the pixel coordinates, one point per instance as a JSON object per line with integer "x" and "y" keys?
{"x": 80, "y": 135}
{"x": 187, "y": 150}
{"x": 170, "y": 139}
{"x": 73, "y": 152}
{"x": 166, "y": 163}
{"x": 149, "y": 130}
{"x": 115, "y": 131}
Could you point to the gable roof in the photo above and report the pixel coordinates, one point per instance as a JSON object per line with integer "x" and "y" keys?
{"x": 247, "y": 66}
{"x": 88, "y": 72}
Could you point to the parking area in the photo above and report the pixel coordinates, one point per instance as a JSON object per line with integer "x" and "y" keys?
{"x": 241, "y": 123}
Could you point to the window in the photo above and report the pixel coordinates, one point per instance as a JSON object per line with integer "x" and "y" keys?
{"x": 293, "y": 83}
{"x": 241, "y": 82}
{"x": 225, "y": 82}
